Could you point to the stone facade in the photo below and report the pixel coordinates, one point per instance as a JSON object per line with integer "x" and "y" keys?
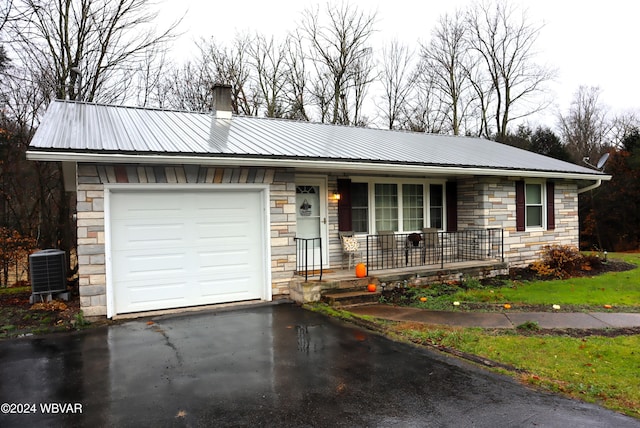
{"x": 490, "y": 202}
{"x": 483, "y": 202}
{"x": 91, "y": 227}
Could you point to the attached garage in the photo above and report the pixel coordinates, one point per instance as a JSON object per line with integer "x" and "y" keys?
{"x": 173, "y": 247}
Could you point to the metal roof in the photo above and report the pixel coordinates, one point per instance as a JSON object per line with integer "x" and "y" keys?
{"x": 72, "y": 130}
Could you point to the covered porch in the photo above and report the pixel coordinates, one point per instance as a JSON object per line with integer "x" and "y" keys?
{"x": 400, "y": 259}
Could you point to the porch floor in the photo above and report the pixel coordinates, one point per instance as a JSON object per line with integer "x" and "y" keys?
{"x": 411, "y": 271}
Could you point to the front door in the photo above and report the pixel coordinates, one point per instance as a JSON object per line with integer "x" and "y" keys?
{"x": 311, "y": 214}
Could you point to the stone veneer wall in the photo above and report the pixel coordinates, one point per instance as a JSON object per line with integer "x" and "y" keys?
{"x": 486, "y": 202}
{"x": 91, "y": 230}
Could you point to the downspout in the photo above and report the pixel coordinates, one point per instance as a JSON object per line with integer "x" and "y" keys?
{"x": 593, "y": 186}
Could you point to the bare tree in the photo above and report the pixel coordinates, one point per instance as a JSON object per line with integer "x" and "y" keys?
{"x": 5, "y": 12}
{"x": 483, "y": 89}
{"x": 585, "y": 126}
{"x": 424, "y": 112}
{"x": 446, "y": 58}
{"x": 341, "y": 56}
{"x": 70, "y": 49}
{"x": 296, "y": 76}
{"x": 363, "y": 75}
{"x": 187, "y": 87}
{"x": 504, "y": 40}
{"x": 269, "y": 63}
{"x": 398, "y": 82}
{"x": 89, "y": 47}
{"x": 231, "y": 65}
{"x": 623, "y": 125}
{"x": 149, "y": 89}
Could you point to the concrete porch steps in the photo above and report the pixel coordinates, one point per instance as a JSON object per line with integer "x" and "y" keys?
{"x": 351, "y": 297}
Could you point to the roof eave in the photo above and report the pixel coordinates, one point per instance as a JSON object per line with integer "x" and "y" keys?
{"x": 310, "y": 164}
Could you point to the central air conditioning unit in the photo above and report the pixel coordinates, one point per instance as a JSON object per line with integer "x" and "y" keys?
{"x": 48, "y": 274}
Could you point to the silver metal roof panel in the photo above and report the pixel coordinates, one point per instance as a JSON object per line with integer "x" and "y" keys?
{"x": 76, "y": 127}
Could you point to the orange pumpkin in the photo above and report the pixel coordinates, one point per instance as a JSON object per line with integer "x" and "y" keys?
{"x": 423, "y": 299}
{"x": 371, "y": 287}
{"x": 507, "y": 306}
{"x": 361, "y": 270}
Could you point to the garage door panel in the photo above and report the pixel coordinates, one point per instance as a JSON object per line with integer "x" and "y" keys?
{"x": 143, "y": 235}
{"x": 149, "y": 298}
{"x": 158, "y": 264}
{"x": 191, "y": 248}
{"x": 232, "y": 289}
{"x": 140, "y": 206}
{"x": 236, "y": 223}
{"x": 236, "y": 256}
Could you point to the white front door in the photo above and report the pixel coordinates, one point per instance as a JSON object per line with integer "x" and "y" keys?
{"x": 311, "y": 213}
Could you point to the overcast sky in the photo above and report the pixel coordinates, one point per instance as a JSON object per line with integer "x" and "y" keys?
{"x": 593, "y": 43}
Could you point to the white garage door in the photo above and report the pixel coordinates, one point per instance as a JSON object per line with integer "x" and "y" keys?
{"x": 174, "y": 249}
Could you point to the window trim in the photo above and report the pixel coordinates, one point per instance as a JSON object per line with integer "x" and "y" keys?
{"x": 426, "y": 202}
{"x": 521, "y": 206}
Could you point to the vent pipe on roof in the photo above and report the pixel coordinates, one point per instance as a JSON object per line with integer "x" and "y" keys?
{"x": 222, "y": 101}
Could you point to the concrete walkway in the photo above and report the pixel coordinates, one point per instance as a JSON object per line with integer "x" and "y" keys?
{"x": 546, "y": 320}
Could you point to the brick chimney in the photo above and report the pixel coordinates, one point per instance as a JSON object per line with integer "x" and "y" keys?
{"x": 222, "y": 101}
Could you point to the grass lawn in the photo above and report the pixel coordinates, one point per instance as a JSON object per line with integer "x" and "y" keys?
{"x": 595, "y": 366}
{"x": 618, "y": 289}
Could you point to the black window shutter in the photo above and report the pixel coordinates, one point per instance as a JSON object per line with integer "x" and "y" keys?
{"x": 551, "y": 214}
{"x": 452, "y": 206}
{"x": 344, "y": 205}
{"x": 520, "y": 206}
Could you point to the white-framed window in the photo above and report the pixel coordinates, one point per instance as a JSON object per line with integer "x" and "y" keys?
{"x": 401, "y": 206}
{"x": 534, "y": 205}
{"x": 360, "y": 207}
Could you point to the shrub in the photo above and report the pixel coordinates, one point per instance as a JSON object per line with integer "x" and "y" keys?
{"x": 561, "y": 261}
{"x": 14, "y": 249}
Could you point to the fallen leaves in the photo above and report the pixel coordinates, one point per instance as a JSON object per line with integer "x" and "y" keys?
{"x": 54, "y": 305}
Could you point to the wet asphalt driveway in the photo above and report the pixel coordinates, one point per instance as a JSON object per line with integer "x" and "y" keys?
{"x": 275, "y": 365}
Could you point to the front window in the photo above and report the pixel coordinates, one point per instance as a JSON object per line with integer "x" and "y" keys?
{"x": 386, "y": 200}
{"x": 436, "y": 206}
{"x": 534, "y": 205}
{"x": 412, "y": 206}
{"x": 360, "y": 207}
{"x": 405, "y": 206}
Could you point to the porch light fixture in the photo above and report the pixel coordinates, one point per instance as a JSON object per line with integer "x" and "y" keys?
{"x": 336, "y": 196}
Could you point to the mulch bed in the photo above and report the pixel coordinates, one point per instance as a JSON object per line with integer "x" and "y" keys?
{"x": 528, "y": 274}
{"x": 20, "y": 318}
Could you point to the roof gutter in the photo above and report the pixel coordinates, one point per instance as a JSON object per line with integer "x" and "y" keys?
{"x": 342, "y": 166}
{"x": 591, "y": 187}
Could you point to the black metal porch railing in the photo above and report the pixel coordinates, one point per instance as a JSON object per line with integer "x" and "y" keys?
{"x": 309, "y": 257}
{"x": 388, "y": 251}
